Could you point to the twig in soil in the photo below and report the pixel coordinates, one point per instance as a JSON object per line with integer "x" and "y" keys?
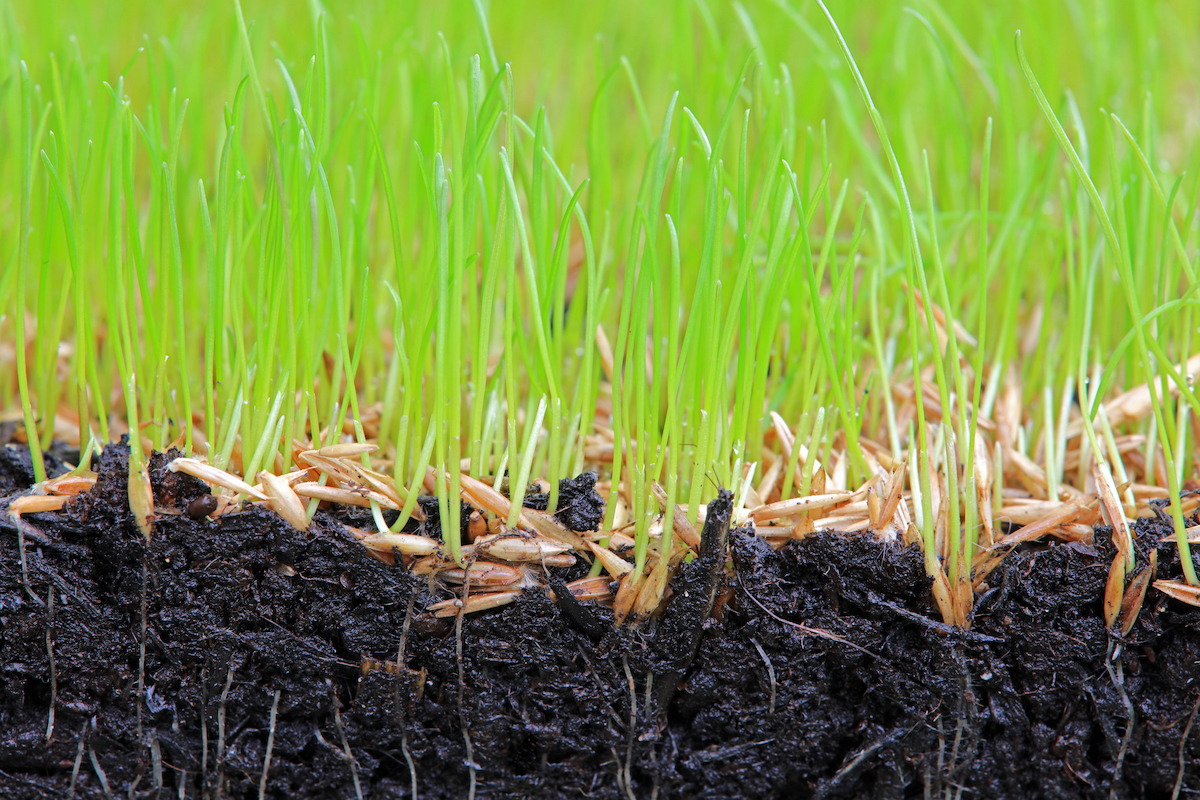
{"x": 1187, "y": 729}
{"x": 50, "y": 656}
{"x": 262, "y": 782}
{"x": 715, "y": 753}
{"x": 770, "y": 673}
{"x": 400, "y": 651}
{"x": 933, "y": 624}
{"x": 337, "y": 719}
{"x": 1118, "y": 679}
{"x": 824, "y": 634}
{"x": 861, "y": 756}
{"x": 928, "y": 781}
{"x": 576, "y": 612}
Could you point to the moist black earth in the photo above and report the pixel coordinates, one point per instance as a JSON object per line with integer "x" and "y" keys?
{"x": 180, "y": 667}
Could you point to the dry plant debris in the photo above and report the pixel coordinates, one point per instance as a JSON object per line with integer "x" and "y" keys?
{"x": 1025, "y": 501}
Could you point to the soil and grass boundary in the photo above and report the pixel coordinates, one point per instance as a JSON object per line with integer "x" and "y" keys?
{"x": 294, "y": 664}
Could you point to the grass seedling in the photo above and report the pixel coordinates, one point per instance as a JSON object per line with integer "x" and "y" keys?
{"x": 664, "y": 258}
{"x": 31, "y": 428}
{"x": 1131, "y": 292}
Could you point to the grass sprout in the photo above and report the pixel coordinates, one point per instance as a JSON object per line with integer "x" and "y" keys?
{"x": 871, "y": 268}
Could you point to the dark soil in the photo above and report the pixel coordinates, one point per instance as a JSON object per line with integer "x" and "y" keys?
{"x": 177, "y": 667}
{"x": 16, "y": 468}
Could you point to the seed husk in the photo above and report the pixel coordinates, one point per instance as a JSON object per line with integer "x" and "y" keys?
{"x": 347, "y": 450}
{"x": 369, "y": 665}
{"x": 618, "y": 541}
{"x": 35, "y": 504}
{"x": 335, "y": 469}
{"x": 1114, "y": 513}
{"x": 797, "y": 505}
{"x": 410, "y": 544}
{"x": 141, "y": 500}
{"x": 942, "y": 594}
{"x": 627, "y": 593}
{"x": 381, "y": 483}
{"x": 770, "y": 479}
{"x": 895, "y": 492}
{"x": 874, "y": 509}
{"x": 485, "y": 573}
{"x": 1066, "y": 512}
{"x": 1135, "y": 595}
{"x": 427, "y": 565}
{"x": 481, "y": 495}
{"x": 71, "y": 485}
{"x": 476, "y": 602}
{"x": 1178, "y": 590}
{"x": 1192, "y": 533}
{"x": 346, "y": 497}
{"x": 683, "y": 526}
{"x": 1114, "y": 590}
{"x": 613, "y": 564}
{"x": 596, "y": 588}
{"x": 216, "y": 477}
{"x": 513, "y": 546}
{"x": 477, "y": 526}
{"x": 284, "y": 500}
{"x": 650, "y": 596}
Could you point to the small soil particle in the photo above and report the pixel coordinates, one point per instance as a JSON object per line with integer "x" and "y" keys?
{"x": 826, "y": 675}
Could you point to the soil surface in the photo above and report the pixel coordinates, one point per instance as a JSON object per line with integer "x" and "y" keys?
{"x": 180, "y": 667}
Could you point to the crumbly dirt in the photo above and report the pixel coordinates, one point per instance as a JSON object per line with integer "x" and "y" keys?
{"x": 16, "y": 468}
{"x": 175, "y": 667}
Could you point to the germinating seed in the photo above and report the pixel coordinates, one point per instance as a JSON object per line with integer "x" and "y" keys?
{"x": 805, "y": 352}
